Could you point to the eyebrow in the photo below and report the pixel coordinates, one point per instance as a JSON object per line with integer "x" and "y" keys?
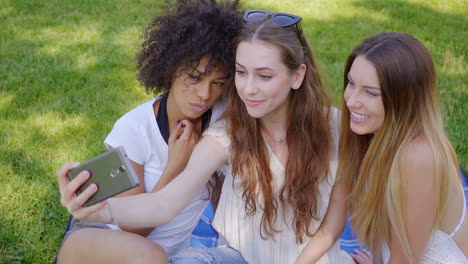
{"x": 203, "y": 73}
{"x": 257, "y": 69}
{"x": 365, "y": 86}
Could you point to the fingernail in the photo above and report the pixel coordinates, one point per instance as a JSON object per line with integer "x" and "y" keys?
{"x": 178, "y": 122}
{"x": 93, "y": 187}
{"x": 85, "y": 174}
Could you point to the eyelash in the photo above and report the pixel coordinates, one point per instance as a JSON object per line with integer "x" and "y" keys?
{"x": 193, "y": 77}
{"x": 240, "y": 73}
{"x": 265, "y": 77}
{"x": 351, "y": 85}
{"x": 371, "y": 93}
{"x": 220, "y": 84}
{"x": 262, "y": 76}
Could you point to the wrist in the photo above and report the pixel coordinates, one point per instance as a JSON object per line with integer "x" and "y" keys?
{"x": 106, "y": 214}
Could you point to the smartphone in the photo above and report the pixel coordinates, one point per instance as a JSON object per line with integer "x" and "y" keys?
{"x": 111, "y": 171}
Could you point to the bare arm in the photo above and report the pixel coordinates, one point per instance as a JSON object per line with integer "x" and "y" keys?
{"x": 139, "y": 170}
{"x": 330, "y": 229}
{"x": 155, "y": 209}
{"x": 420, "y": 203}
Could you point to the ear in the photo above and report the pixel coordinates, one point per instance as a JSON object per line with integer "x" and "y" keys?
{"x": 299, "y": 76}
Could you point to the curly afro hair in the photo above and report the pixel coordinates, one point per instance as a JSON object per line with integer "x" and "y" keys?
{"x": 190, "y": 30}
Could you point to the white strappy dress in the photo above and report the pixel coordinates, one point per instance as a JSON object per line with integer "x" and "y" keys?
{"x": 441, "y": 248}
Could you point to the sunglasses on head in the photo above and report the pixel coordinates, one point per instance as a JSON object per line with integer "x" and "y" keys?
{"x": 280, "y": 19}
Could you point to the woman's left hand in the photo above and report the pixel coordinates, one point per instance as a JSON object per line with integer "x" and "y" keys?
{"x": 363, "y": 257}
{"x": 182, "y": 141}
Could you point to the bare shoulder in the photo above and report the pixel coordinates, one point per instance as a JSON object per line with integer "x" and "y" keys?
{"x": 213, "y": 146}
{"x": 213, "y": 141}
{"x": 419, "y": 160}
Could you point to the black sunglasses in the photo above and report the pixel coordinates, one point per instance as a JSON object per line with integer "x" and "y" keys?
{"x": 280, "y": 19}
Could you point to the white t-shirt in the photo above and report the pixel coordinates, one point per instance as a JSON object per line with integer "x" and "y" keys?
{"x": 138, "y": 132}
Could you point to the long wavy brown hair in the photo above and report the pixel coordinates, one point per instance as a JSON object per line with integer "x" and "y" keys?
{"x": 309, "y": 139}
{"x": 372, "y": 166}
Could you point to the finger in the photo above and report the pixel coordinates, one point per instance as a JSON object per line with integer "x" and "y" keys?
{"x": 358, "y": 258}
{"x": 355, "y": 257}
{"x": 62, "y": 174}
{"x": 84, "y": 212}
{"x": 368, "y": 253}
{"x": 72, "y": 186}
{"x": 78, "y": 202}
{"x": 174, "y": 134}
{"x": 188, "y": 128}
{"x": 359, "y": 253}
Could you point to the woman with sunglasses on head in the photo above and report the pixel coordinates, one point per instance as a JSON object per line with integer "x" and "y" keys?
{"x": 405, "y": 196}
{"x": 277, "y": 148}
{"x": 187, "y": 57}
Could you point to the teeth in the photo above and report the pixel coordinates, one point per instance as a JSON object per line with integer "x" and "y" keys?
{"x": 358, "y": 116}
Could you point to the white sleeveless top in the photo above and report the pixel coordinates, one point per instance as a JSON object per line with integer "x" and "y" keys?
{"x": 441, "y": 248}
{"x": 242, "y": 232}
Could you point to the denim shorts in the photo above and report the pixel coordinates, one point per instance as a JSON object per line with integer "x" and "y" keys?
{"x": 75, "y": 224}
{"x": 204, "y": 255}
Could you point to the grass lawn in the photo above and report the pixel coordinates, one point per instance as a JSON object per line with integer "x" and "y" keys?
{"x": 67, "y": 74}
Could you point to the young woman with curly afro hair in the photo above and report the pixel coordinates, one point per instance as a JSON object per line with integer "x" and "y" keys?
{"x": 185, "y": 60}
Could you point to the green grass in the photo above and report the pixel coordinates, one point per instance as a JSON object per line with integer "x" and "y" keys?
{"x": 67, "y": 73}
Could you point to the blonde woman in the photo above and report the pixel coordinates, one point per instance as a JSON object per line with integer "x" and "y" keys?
{"x": 405, "y": 199}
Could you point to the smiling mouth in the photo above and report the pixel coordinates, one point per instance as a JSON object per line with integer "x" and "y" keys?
{"x": 253, "y": 102}
{"x": 199, "y": 107}
{"x": 358, "y": 117}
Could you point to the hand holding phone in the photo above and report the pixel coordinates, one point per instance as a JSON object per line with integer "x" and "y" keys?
{"x": 111, "y": 171}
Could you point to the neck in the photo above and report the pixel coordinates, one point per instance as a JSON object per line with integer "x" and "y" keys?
{"x": 275, "y": 124}
{"x": 275, "y": 129}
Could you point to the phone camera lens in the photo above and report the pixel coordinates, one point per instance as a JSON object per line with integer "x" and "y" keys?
{"x": 122, "y": 169}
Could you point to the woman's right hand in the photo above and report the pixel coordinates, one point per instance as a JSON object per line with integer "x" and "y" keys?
{"x": 74, "y": 203}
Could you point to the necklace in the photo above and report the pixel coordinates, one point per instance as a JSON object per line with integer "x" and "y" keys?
{"x": 280, "y": 141}
{"x": 278, "y": 147}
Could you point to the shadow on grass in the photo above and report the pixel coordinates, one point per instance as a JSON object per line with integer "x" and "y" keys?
{"x": 44, "y": 83}
{"x": 84, "y": 86}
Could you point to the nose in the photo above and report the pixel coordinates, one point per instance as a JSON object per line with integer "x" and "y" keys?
{"x": 250, "y": 86}
{"x": 203, "y": 90}
{"x": 352, "y": 98}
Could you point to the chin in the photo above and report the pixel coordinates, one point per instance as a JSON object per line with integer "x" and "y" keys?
{"x": 360, "y": 130}
{"x": 194, "y": 114}
{"x": 255, "y": 114}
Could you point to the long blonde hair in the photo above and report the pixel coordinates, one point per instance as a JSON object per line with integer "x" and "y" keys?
{"x": 309, "y": 138}
{"x": 372, "y": 166}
